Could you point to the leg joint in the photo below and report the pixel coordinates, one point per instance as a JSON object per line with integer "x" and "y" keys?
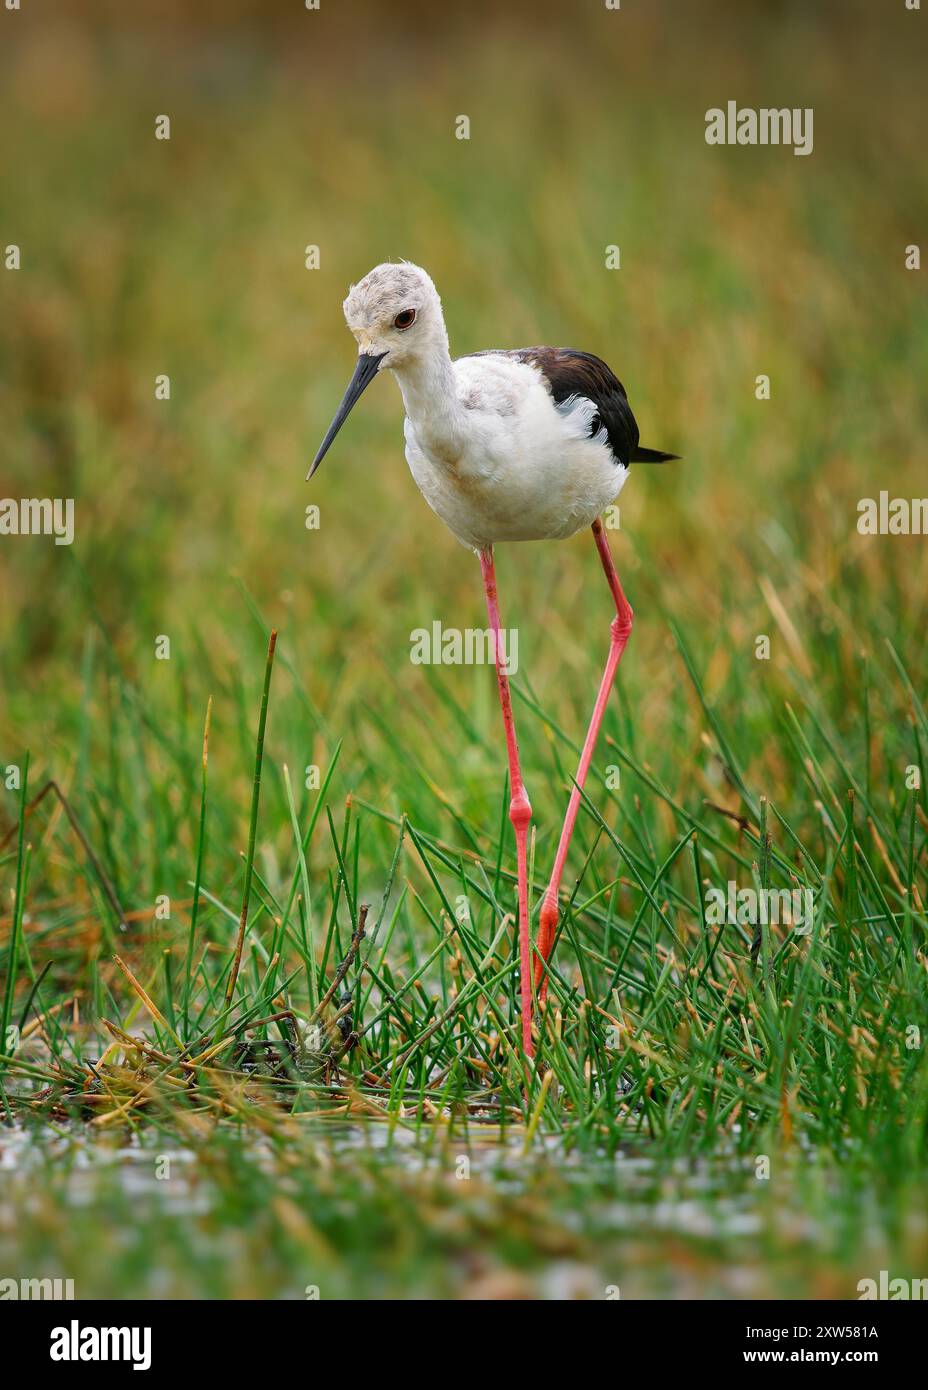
{"x": 520, "y": 810}
{"x": 547, "y": 921}
{"x": 621, "y": 625}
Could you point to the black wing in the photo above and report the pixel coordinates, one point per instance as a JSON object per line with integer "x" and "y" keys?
{"x": 572, "y": 373}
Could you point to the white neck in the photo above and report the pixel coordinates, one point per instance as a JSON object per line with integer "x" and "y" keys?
{"x": 426, "y": 382}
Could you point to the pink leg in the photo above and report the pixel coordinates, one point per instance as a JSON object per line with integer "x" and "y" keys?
{"x": 620, "y": 630}
{"x": 520, "y": 810}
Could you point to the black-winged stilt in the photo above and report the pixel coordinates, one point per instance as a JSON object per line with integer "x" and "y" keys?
{"x": 523, "y": 445}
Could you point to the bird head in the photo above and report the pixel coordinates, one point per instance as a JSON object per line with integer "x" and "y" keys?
{"x": 395, "y": 316}
{"x": 394, "y": 313}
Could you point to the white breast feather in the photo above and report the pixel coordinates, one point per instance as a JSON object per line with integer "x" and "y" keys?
{"x": 526, "y": 469}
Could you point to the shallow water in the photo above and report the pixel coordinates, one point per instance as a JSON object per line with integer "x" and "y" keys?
{"x": 369, "y": 1211}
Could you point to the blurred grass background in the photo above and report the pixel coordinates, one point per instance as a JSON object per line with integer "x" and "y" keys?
{"x": 336, "y": 128}
{"x": 186, "y": 257}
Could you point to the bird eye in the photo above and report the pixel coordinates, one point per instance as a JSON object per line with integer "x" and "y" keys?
{"x": 405, "y": 319}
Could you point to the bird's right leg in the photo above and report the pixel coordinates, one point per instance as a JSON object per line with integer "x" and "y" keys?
{"x": 620, "y": 632}
{"x": 520, "y": 810}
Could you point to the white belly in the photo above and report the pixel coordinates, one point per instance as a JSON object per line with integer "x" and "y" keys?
{"x": 520, "y": 469}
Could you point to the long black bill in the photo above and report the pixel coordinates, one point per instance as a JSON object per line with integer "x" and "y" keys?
{"x": 364, "y": 374}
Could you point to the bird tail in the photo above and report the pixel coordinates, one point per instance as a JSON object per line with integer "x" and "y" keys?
{"x": 641, "y": 455}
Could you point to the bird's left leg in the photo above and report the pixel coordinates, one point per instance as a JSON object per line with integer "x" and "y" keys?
{"x": 619, "y": 634}
{"x": 520, "y": 810}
